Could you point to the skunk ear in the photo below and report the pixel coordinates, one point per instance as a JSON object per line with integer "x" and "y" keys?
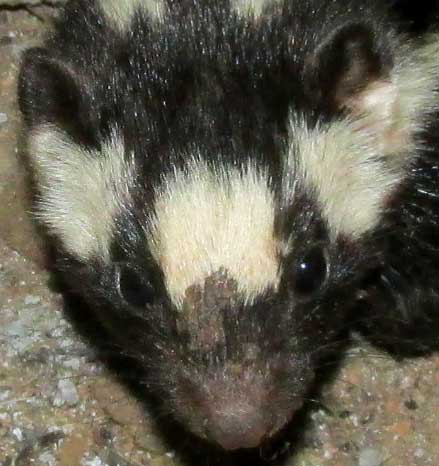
{"x": 51, "y": 91}
{"x": 344, "y": 65}
{"x": 354, "y": 73}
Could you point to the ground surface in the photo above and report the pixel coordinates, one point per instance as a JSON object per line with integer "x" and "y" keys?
{"x": 59, "y": 406}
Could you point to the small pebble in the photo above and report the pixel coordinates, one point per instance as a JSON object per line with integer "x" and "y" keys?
{"x": 4, "y": 395}
{"x": 67, "y": 394}
{"x": 18, "y": 434}
{"x": 72, "y": 363}
{"x": 16, "y": 329}
{"x": 31, "y": 300}
{"x": 47, "y": 458}
{"x": 370, "y": 457}
{"x": 94, "y": 462}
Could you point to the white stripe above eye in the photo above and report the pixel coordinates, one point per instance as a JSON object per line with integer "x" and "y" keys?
{"x": 121, "y": 12}
{"x": 352, "y": 165}
{"x": 81, "y": 191}
{"x": 347, "y": 176}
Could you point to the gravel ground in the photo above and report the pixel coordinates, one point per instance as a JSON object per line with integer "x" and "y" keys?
{"x": 60, "y": 406}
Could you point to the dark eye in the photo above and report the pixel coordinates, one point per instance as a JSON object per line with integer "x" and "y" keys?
{"x": 310, "y": 272}
{"x": 135, "y": 290}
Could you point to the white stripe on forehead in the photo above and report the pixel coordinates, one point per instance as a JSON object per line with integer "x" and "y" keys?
{"x": 121, "y": 12}
{"x": 81, "y": 191}
{"x": 208, "y": 219}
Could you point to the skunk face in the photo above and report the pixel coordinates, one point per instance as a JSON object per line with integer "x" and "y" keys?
{"x": 214, "y": 177}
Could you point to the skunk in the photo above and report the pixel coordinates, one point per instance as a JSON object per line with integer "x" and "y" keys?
{"x": 235, "y": 186}
{"x": 416, "y": 18}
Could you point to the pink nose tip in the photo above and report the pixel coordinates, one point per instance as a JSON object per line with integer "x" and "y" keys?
{"x": 239, "y": 428}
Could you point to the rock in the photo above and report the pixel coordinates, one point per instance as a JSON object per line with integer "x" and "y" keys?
{"x": 66, "y": 394}
{"x": 370, "y": 457}
{"x": 47, "y": 458}
{"x": 31, "y": 300}
{"x": 18, "y": 434}
{"x": 96, "y": 461}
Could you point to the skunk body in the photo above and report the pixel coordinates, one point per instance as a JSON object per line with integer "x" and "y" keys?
{"x": 236, "y": 186}
{"x": 416, "y": 19}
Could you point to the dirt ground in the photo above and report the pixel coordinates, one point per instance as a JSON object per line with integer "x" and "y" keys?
{"x": 60, "y": 406}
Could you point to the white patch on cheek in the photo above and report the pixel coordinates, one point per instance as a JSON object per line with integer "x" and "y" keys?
{"x": 81, "y": 191}
{"x": 207, "y": 220}
{"x": 353, "y": 165}
{"x": 121, "y": 12}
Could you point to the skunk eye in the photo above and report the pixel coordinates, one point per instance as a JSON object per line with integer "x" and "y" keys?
{"x": 133, "y": 289}
{"x": 310, "y": 272}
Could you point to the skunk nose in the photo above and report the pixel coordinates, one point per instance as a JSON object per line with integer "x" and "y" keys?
{"x": 238, "y": 426}
{"x": 237, "y": 406}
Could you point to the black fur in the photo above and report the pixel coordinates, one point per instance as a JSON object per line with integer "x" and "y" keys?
{"x": 417, "y": 18}
{"x": 207, "y": 80}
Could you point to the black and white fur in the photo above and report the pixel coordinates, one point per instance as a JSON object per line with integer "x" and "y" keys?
{"x": 235, "y": 186}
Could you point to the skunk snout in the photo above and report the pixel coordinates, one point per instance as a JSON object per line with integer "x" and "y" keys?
{"x": 238, "y": 424}
{"x": 241, "y": 376}
{"x": 237, "y": 412}
{"x": 236, "y": 408}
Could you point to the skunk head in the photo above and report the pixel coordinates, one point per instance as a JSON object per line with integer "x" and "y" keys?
{"x": 214, "y": 192}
